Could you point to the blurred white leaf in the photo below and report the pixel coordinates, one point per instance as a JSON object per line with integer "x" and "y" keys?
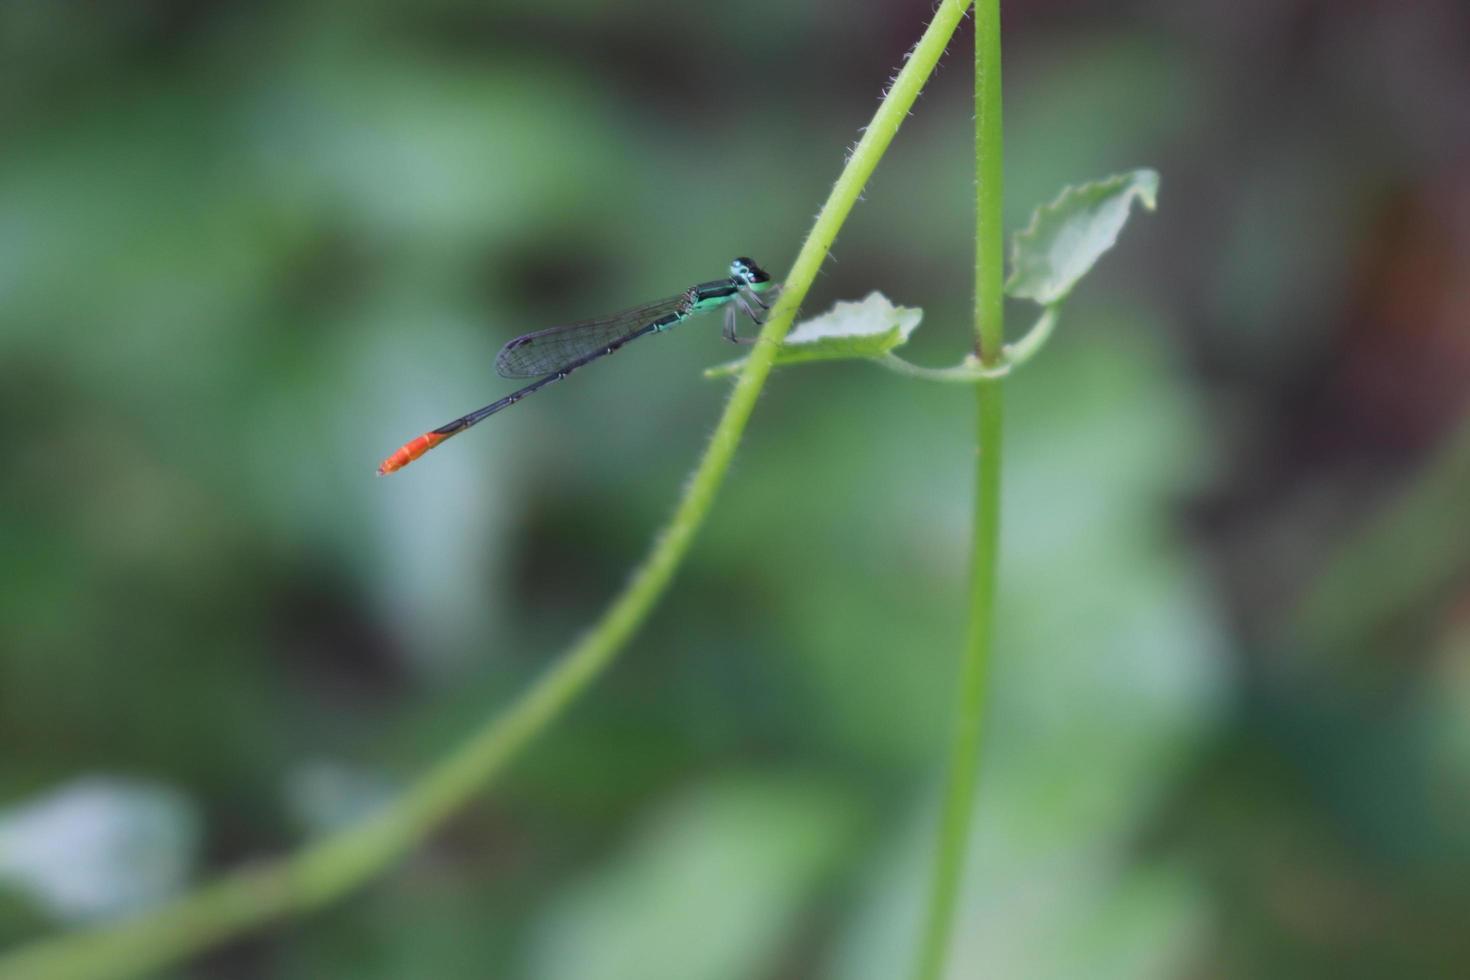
{"x": 99, "y": 846}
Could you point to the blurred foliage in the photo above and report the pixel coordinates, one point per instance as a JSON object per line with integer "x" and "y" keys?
{"x": 245, "y": 250}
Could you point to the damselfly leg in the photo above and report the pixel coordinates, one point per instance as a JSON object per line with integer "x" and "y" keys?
{"x": 742, "y": 304}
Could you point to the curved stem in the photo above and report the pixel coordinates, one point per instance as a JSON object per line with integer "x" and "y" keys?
{"x": 970, "y": 372}
{"x": 966, "y": 740}
{"x": 322, "y": 872}
{"x": 1024, "y": 349}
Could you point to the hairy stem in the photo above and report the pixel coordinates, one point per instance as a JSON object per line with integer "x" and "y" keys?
{"x": 322, "y": 872}
{"x": 967, "y": 738}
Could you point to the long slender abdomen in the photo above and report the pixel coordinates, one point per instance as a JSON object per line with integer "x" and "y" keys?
{"x": 410, "y": 451}
{"x": 415, "y": 448}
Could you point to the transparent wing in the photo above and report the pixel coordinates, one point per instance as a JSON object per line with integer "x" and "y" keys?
{"x": 535, "y": 355}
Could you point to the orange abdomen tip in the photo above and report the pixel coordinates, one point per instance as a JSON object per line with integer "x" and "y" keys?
{"x": 410, "y": 451}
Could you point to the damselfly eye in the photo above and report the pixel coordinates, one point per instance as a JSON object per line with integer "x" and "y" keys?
{"x": 746, "y": 270}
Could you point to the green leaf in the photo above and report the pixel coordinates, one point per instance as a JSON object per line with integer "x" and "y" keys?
{"x": 1067, "y": 237}
{"x": 867, "y": 329}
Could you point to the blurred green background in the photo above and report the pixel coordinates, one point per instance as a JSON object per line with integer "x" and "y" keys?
{"x": 248, "y": 249}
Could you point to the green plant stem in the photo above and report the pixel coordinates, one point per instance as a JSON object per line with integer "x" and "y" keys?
{"x": 322, "y": 872}
{"x": 972, "y": 370}
{"x": 966, "y": 740}
{"x": 968, "y": 373}
{"x": 1027, "y": 347}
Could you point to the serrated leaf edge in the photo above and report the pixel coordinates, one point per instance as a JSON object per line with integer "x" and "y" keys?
{"x": 1145, "y": 181}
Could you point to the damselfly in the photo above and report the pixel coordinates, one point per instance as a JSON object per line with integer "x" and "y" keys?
{"x": 552, "y": 354}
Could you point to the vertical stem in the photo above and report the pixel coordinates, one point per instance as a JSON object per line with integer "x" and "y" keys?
{"x": 989, "y": 235}
{"x": 966, "y": 740}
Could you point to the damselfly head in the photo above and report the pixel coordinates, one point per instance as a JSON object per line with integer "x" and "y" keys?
{"x": 746, "y": 271}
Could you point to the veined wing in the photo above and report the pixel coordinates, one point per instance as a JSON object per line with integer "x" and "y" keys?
{"x": 535, "y": 355}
